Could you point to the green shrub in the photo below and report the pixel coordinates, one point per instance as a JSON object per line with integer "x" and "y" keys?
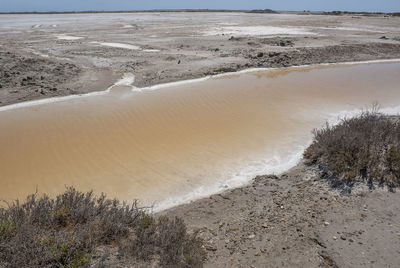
{"x": 167, "y": 240}
{"x": 64, "y": 232}
{"x": 7, "y": 228}
{"x": 146, "y": 220}
{"x": 364, "y": 148}
{"x": 61, "y": 216}
{"x": 65, "y": 253}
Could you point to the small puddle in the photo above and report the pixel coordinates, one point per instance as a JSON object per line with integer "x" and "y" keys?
{"x": 117, "y": 45}
{"x": 68, "y": 37}
{"x": 182, "y": 141}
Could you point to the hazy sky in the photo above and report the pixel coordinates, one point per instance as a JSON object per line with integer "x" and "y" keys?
{"x": 315, "y": 5}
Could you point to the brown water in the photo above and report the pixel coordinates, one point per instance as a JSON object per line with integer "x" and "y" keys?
{"x": 176, "y": 143}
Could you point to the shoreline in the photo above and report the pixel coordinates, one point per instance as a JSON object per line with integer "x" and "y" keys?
{"x": 124, "y": 82}
{"x": 246, "y": 175}
{"x": 294, "y": 161}
{"x": 295, "y": 219}
{"x": 261, "y": 69}
{"x": 290, "y": 219}
{"x": 207, "y": 45}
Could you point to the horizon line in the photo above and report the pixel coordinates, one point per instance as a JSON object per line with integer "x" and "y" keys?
{"x": 197, "y": 10}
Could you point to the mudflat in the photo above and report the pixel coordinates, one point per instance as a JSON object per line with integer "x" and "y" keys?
{"x": 47, "y": 55}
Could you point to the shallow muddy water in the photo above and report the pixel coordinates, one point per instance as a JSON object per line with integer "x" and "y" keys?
{"x": 181, "y": 142}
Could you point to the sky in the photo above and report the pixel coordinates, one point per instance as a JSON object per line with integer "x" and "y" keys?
{"x": 293, "y": 5}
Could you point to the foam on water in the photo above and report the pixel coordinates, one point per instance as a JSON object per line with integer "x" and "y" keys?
{"x": 51, "y": 100}
{"x": 250, "y": 70}
{"x": 276, "y": 165}
{"x": 127, "y": 80}
{"x": 171, "y": 147}
{"x": 173, "y": 84}
{"x": 335, "y": 118}
{"x": 272, "y": 165}
{"x": 394, "y": 110}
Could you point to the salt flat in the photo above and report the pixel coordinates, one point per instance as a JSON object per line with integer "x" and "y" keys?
{"x": 90, "y": 52}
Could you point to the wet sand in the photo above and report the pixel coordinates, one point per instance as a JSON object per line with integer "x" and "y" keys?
{"x": 296, "y": 220}
{"x": 177, "y": 143}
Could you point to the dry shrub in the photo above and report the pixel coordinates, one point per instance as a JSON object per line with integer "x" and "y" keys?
{"x": 363, "y": 148}
{"x": 165, "y": 241}
{"x": 64, "y": 231}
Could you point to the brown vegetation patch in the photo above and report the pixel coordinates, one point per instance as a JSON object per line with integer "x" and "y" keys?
{"x": 363, "y": 148}
{"x": 65, "y": 231}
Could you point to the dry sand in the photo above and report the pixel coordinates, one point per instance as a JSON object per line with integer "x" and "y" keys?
{"x": 44, "y": 56}
{"x": 297, "y": 220}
